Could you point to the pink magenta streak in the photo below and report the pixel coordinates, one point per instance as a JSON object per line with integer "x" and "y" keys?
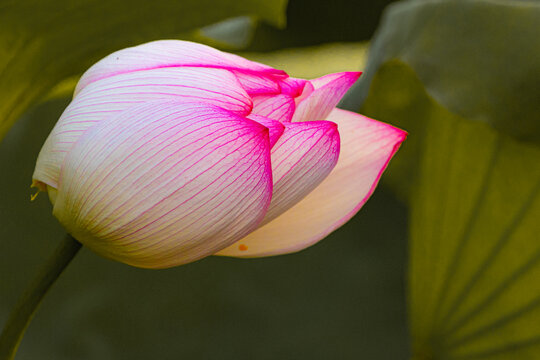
{"x": 228, "y": 199}
{"x": 153, "y": 147}
{"x": 177, "y": 163}
{"x": 271, "y": 72}
{"x": 200, "y": 191}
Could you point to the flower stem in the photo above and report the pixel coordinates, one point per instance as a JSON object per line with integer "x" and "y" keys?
{"x": 26, "y": 306}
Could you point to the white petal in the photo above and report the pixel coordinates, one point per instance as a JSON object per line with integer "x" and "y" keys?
{"x": 302, "y": 157}
{"x": 165, "y": 183}
{"x": 169, "y": 53}
{"x": 105, "y": 98}
{"x": 326, "y": 94}
{"x": 366, "y": 148}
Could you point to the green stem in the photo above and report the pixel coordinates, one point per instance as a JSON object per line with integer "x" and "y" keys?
{"x": 26, "y": 306}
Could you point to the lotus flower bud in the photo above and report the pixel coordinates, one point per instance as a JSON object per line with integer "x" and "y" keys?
{"x": 172, "y": 151}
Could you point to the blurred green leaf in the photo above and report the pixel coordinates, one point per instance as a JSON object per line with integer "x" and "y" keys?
{"x": 45, "y": 42}
{"x": 474, "y": 276}
{"x": 478, "y": 58}
{"x": 462, "y": 78}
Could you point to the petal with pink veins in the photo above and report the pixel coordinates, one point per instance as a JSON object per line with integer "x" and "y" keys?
{"x": 105, "y": 98}
{"x": 366, "y": 148}
{"x": 327, "y": 92}
{"x": 165, "y": 183}
{"x": 277, "y": 107}
{"x": 169, "y": 53}
{"x": 302, "y": 157}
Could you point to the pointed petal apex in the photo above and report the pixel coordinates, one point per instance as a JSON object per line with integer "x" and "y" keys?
{"x": 327, "y": 92}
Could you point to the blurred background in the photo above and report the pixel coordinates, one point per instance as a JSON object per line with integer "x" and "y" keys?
{"x": 443, "y": 262}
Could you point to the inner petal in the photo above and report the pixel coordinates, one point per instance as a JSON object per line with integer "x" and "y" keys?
{"x": 301, "y": 159}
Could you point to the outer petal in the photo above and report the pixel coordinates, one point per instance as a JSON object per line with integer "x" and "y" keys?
{"x": 104, "y": 98}
{"x": 165, "y": 183}
{"x": 302, "y": 157}
{"x": 366, "y": 148}
{"x": 276, "y": 107}
{"x": 328, "y": 91}
{"x": 169, "y": 53}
